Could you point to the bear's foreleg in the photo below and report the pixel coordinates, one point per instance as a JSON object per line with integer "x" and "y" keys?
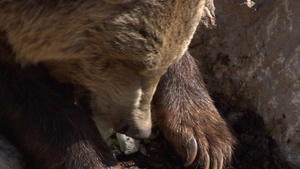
{"x": 188, "y": 118}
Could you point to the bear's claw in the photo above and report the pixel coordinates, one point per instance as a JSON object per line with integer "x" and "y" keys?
{"x": 192, "y": 152}
{"x": 206, "y": 161}
{"x": 217, "y": 164}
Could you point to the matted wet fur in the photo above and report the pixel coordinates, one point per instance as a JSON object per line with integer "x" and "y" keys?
{"x": 117, "y": 51}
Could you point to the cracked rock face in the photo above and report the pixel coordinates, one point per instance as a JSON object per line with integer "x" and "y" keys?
{"x": 249, "y": 51}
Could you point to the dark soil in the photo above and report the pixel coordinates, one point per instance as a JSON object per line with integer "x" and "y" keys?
{"x": 255, "y": 149}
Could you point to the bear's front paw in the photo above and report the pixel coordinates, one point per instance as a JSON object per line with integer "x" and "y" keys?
{"x": 188, "y": 118}
{"x": 201, "y": 138}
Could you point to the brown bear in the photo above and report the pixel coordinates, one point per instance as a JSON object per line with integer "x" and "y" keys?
{"x": 118, "y": 54}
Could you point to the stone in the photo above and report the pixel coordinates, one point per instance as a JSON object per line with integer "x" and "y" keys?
{"x": 249, "y": 51}
{"x": 9, "y": 156}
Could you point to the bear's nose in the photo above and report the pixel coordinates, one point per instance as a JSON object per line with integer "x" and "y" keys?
{"x": 138, "y": 134}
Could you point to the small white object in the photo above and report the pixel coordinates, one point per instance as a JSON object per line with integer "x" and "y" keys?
{"x": 127, "y": 144}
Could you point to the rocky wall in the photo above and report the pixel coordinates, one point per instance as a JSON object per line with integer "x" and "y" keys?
{"x": 249, "y": 51}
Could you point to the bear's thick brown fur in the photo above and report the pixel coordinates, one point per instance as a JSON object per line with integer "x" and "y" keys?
{"x": 114, "y": 53}
{"x": 43, "y": 122}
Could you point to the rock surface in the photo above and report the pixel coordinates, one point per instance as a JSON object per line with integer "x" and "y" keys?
{"x": 9, "y": 156}
{"x": 249, "y": 51}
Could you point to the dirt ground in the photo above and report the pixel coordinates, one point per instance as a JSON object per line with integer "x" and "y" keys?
{"x": 255, "y": 150}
